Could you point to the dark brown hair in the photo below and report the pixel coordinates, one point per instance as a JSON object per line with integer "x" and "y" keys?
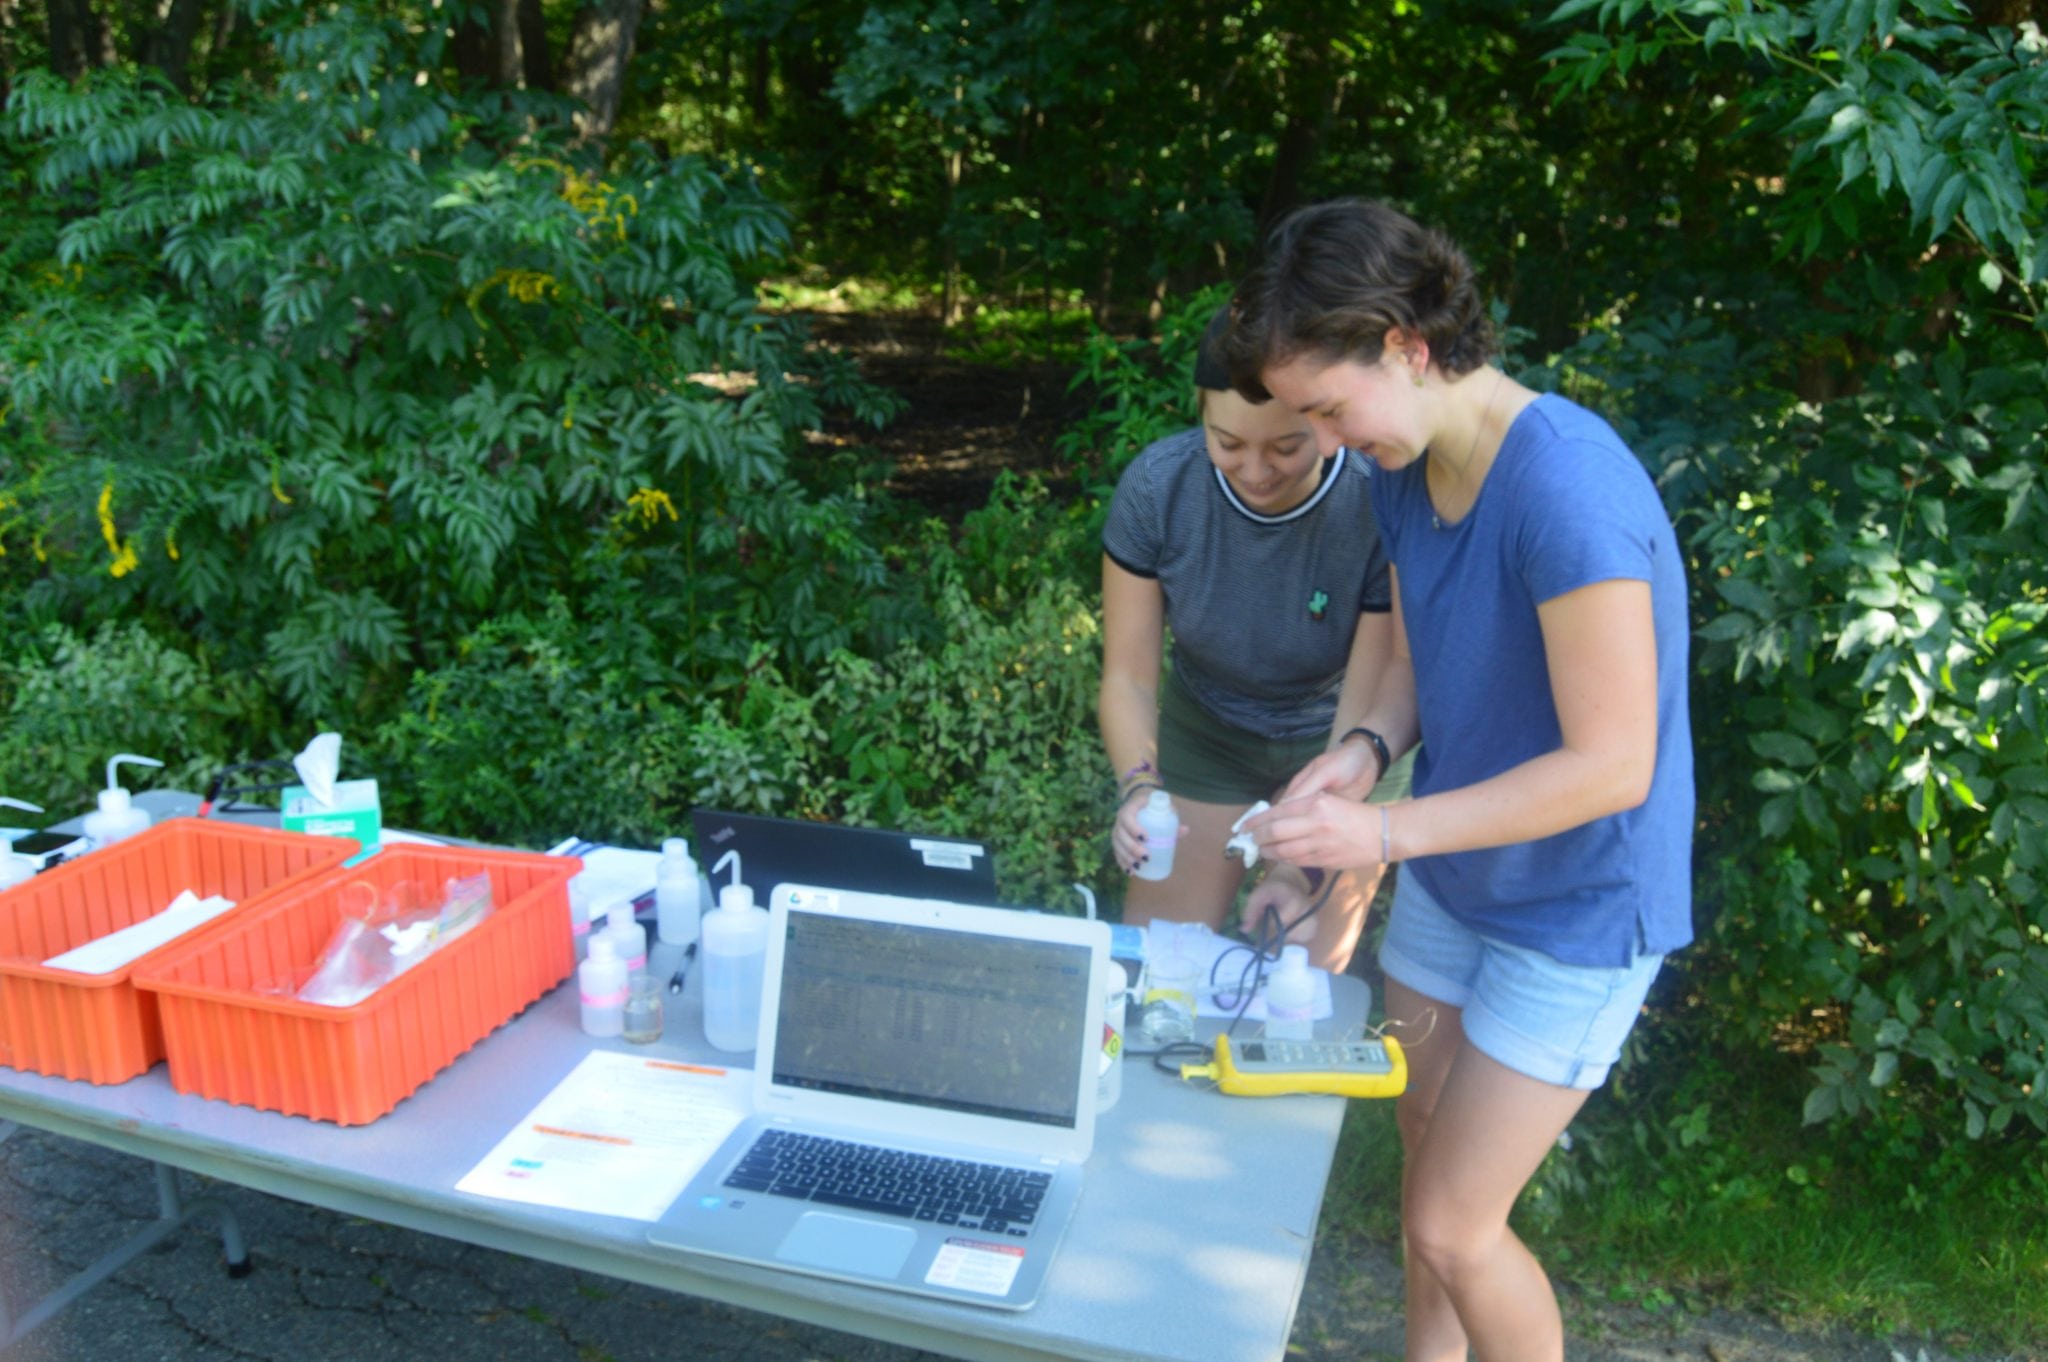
{"x": 1337, "y": 276}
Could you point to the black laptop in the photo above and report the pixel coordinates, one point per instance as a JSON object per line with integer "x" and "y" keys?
{"x": 831, "y": 855}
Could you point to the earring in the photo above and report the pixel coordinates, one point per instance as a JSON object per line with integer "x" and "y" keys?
{"x": 1419, "y": 380}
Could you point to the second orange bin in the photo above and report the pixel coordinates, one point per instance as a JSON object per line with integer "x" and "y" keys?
{"x": 228, "y": 1038}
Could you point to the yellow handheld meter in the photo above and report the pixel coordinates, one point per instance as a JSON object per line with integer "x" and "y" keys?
{"x": 1270, "y": 1068}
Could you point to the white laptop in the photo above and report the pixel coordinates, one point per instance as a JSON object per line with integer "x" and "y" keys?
{"x": 924, "y": 1098}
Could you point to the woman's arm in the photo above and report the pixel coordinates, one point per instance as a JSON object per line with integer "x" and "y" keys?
{"x": 1127, "y": 706}
{"x": 1601, "y": 649}
{"x": 1379, "y": 693}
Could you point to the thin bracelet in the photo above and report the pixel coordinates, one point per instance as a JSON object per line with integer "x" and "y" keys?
{"x": 1123, "y": 796}
{"x": 1386, "y": 839}
{"x": 1143, "y": 768}
{"x": 1379, "y": 748}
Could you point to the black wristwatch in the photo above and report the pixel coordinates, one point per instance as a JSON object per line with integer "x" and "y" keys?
{"x": 1379, "y": 748}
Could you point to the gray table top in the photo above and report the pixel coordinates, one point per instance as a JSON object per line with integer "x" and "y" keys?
{"x": 1191, "y": 1241}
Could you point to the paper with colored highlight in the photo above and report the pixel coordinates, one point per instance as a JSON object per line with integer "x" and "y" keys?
{"x": 621, "y": 1135}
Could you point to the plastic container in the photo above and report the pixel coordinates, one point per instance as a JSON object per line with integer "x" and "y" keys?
{"x": 677, "y": 906}
{"x": 16, "y": 869}
{"x": 734, "y": 952}
{"x": 579, "y": 920}
{"x": 100, "y": 1027}
{"x": 1291, "y": 997}
{"x": 1109, "y": 1082}
{"x": 1162, "y": 832}
{"x": 230, "y": 1035}
{"x": 117, "y": 818}
{"x": 601, "y": 982}
{"x": 628, "y": 937}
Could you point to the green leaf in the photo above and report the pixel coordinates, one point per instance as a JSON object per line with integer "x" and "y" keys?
{"x": 1788, "y": 749}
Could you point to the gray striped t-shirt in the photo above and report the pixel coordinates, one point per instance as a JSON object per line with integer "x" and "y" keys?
{"x": 1262, "y": 608}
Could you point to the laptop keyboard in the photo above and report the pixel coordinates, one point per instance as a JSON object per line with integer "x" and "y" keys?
{"x": 993, "y": 1198}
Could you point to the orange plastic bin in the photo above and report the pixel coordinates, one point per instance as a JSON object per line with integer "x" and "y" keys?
{"x": 228, "y": 1038}
{"x": 98, "y": 1027}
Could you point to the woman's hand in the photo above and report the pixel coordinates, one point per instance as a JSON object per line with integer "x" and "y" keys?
{"x": 1127, "y": 837}
{"x": 1350, "y": 769}
{"x": 1325, "y": 830}
{"x": 1285, "y": 892}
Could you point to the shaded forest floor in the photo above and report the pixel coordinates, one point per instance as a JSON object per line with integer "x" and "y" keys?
{"x": 963, "y": 423}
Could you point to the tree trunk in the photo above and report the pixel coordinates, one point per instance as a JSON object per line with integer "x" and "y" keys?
{"x": 537, "y": 65}
{"x": 169, "y": 47}
{"x": 79, "y": 39}
{"x": 7, "y": 11}
{"x": 496, "y": 51}
{"x": 599, "y": 49}
{"x": 949, "y": 298}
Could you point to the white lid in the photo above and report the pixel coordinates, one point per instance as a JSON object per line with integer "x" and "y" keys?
{"x": 1159, "y": 801}
{"x": 603, "y": 948}
{"x": 115, "y": 800}
{"x": 1293, "y": 960}
{"x": 619, "y": 914}
{"x": 675, "y": 846}
{"x": 735, "y": 898}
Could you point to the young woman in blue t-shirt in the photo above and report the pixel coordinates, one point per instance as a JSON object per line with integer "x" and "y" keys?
{"x": 1539, "y": 658}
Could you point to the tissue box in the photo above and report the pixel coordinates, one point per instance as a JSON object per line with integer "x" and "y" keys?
{"x": 355, "y": 813}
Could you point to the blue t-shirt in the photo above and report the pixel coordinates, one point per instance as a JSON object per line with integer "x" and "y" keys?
{"x": 1566, "y": 504}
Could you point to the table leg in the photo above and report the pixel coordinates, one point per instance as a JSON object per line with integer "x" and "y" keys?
{"x": 172, "y": 1213}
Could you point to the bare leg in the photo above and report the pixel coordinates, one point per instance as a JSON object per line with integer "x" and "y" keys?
{"x": 1204, "y": 881}
{"x": 1482, "y": 1135}
{"x": 1342, "y": 919}
{"x": 1432, "y": 1033}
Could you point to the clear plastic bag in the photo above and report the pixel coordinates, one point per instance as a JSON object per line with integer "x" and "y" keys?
{"x": 381, "y": 936}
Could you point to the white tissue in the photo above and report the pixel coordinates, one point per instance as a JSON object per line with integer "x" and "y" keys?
{"x": 319, "y": 766}
{"x": 115, "y": 949}
{"x": 1243, "y": 843}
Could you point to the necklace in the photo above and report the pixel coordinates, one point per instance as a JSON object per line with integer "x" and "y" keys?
{"x": 1478, "y": 433}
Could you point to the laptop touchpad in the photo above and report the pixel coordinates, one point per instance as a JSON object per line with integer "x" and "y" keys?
{"x": 839, "y": 1243}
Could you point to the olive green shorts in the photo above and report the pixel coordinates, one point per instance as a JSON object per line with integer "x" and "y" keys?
{"x": 1203, "y": 758}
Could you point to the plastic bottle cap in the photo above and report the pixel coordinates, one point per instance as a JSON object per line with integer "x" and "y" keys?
{"x": 602, "y": 948}
{"x": 735, "y": 897}
{"x": 1294, "y": 960}
{"x": 675, "y": 846}
{"x": 620, "y": 914}
{"x": 115, "y": 800}
{"x": 1159, "y": 801}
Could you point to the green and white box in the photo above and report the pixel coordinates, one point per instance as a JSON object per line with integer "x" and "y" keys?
{"x": 355, "y": 813}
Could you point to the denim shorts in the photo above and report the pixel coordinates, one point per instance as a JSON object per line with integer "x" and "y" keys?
{"x": 1557, "y": 1023}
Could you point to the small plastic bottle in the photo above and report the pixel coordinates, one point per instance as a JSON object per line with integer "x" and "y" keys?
{"x": 734, "y": 950}
{"x": 117, "y": 816}
{"x": 1291, "y": 997}
{"x": 676, "y": 902}
{"x": 601, "y": 979}
{"x": 1162, "y": 832}
{"x": 628, "y": 938}
{"x": 579, "y": 919}
{"x": 1109, "y": 1083}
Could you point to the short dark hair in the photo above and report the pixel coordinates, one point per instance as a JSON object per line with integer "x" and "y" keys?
{"x": 1212, "y": 374}
{"x": 1337, "y": 276}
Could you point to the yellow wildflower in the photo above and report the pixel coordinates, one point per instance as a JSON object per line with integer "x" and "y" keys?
{"x": 650, "y": 504}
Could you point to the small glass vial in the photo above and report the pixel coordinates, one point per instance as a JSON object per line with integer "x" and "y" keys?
{"x": 643, "y": 1010}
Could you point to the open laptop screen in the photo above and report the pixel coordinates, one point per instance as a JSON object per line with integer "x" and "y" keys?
{"x": 932, "y": 1017}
